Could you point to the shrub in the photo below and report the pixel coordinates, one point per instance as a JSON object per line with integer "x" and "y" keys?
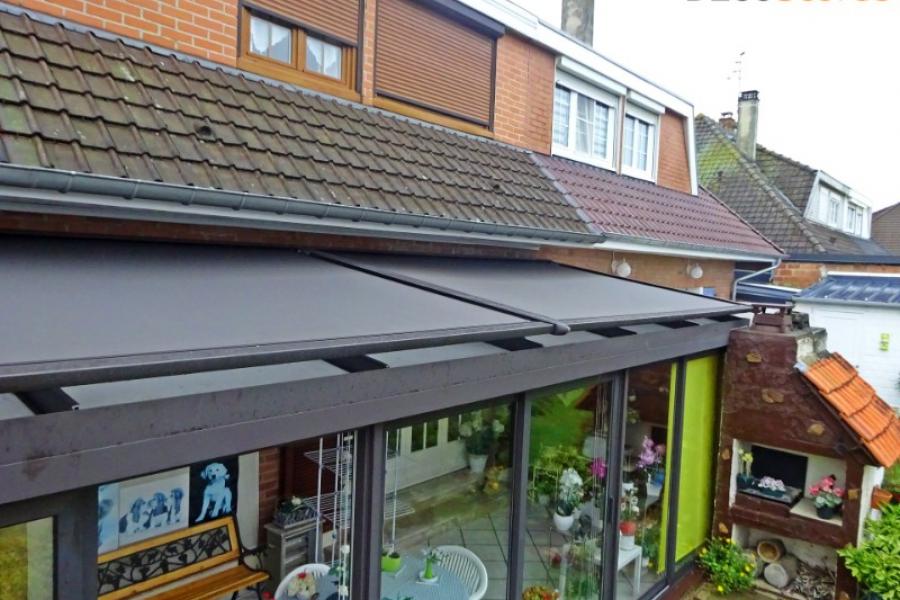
{"x": 876, "y": 562}
{"x": 726, "y": 566}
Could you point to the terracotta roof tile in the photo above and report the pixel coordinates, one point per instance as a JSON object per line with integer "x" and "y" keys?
{"x": 73, "y": 100}
{"x": 857, "y": 403}
{"x": 625, "y": 206}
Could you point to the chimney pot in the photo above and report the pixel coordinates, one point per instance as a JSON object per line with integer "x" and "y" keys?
{"x": 727, "y": 122}
{"x": 748, "y": 117}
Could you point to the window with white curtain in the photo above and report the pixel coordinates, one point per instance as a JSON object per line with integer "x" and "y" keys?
{"x": 583, "y": 127}
{"x": 639, "y": 140}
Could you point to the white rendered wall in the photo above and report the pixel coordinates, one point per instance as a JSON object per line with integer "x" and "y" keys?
{"x": 248, "y": 499}
{"x": 855, "y": 332}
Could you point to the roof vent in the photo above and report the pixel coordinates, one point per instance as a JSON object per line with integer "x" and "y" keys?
{"x": 204, "y": 131}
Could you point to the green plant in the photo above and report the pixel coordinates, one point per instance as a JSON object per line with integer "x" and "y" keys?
{"x": 892, "y": 478}
{"x": 539, "y": 592}
{"x": 876, "y": 562}
{"x": 556, "y": 459}
{"x": 649, "y": 542}
{"x": 826, "y": 493}
{"x": 571, "y": 492}
{"x": 726, "y": 566}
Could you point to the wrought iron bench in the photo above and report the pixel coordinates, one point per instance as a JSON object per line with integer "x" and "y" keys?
{"x": 170, "y": 559}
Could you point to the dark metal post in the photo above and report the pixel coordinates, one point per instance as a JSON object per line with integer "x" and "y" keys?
{"x": 675, "y": 475}
{"x": 521, "y": 438}
{"x": 618, "y": 401}
{"x": 368, "y": 513}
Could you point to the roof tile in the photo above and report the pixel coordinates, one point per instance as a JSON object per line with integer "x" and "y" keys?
{"x": 860, "y": 407}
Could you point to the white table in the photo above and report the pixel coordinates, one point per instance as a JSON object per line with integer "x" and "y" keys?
{"x": 632, "y": 556}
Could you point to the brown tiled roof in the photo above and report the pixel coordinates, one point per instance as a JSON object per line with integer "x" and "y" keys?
{"x": 80, "y": 102}
{"x": 749, "y": 191}
{"x": 886, "y": 228}
{"x": 857, "y": 403}
{"x": 621, "y": 205}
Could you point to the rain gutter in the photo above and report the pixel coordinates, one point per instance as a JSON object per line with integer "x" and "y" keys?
{"x": 743, "y": 278}
{"x": 98, "y": 195}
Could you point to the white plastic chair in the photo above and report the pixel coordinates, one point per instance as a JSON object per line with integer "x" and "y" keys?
{"x": 316, "y": 570}
{"x": 466, "y": 565}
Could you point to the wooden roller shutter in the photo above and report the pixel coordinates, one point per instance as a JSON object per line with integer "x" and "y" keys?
{"x": 338, "y": 18}
{"x": 430, "y": 60}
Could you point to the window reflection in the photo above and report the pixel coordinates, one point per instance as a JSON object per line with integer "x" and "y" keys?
{"x": 26, "y": 560}
{"x": 447, "y": 506}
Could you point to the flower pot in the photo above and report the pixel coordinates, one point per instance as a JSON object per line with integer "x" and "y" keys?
{"x": 391, "y": 564}
{"x": 744, "y": 481}
{"x": 626, "y": 542}
{"x": 880, "y": 497}
{"x": 645, "y": 562}
{"x": 826, "y": 512}
{"x": 477, "y": 463}
{"x": 563, "y": 523}
{"x": 628, "y": 528}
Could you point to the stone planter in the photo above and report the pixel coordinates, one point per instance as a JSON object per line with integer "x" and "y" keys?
{"x": 477, "y": 463}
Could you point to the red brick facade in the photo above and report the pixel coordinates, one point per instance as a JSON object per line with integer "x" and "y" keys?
{"x": 804, "y": 274}
{"x": 667, "y": 271}
{"x": 523, "y": 102}
{"x": 204, "y": 28}
{"x": 269, "y": 484}
{"x": 673, "y": 170}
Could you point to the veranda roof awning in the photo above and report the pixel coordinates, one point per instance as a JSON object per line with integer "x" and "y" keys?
{"x": 87, "y": 311}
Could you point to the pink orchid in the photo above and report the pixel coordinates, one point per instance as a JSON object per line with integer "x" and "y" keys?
{"x": 598, "y": 468}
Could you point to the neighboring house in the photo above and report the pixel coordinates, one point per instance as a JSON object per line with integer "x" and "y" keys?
{"x": 861, "y": 313}
{"x": 886, "y": 228}
{"x": 821, "y": 223}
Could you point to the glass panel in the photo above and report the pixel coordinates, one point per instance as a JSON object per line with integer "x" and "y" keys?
{"x": 567, "y": 486}
{"x": 601, "y": 129}
{"x": 628, "y": 143}
{"x": 315, "y": 54}
{"x": 643, "y": 514}
{"x": 698, "y": 451}
{"x": 448, "y": 498}
{"x": 561, "y": 116}
{"x": 332, "y": 61}
{"x": 280, "y": 48}
{"x": 431, "y": 434}
{"x": 453, "y": 428}
{"x": 418, "y": 437}
{"x": 643, "y": 144}
{"x": 584, "y": 122}
{"x": 269, "y": 39}
{"x": 26, "y": 560}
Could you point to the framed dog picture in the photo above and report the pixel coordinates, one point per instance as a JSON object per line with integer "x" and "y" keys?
{"x": 153, "y": 505}
{"x": 214, "y": 489}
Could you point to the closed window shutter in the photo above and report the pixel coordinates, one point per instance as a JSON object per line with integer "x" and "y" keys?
{"x": 430, "y": 60}
{"x": 338, "y": 18}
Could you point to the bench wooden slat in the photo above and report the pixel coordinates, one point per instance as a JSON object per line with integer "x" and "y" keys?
{"x": 215, "y": 585}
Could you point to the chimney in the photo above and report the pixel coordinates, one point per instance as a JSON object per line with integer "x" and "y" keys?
{"x": 727, "y": 122}
{"x": 748, "y": 116}
{"x": 578, "y": 20}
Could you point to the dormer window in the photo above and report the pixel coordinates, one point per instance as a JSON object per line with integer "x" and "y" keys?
{"x": 639, "y": 143}
{"x": 855, "y": 219}
{"x": 583, "y": 126}
{"x": 835, "y": 206}
{"x": 840, "y": 211}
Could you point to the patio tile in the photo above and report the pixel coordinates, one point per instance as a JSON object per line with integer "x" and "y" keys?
{"x": 487, "y": 551}
{"x": 451, "y": 536}
{"x": 478, "y": 524}
{"x": 496, "y": 590}
{"x": 533, "y": 554}
{"x": 496, "y": 569}
{"x": 479, "y": 537}
{"x": 534, "y": 570}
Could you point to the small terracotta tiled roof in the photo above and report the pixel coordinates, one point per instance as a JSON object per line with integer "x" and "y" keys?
{"x": 625, "y": 206}
{"x": 859, "y": 406}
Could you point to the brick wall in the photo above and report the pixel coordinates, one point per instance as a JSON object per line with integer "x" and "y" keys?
{"x": 368, "y": 53}
{"x": 660, "y": 270}
{"x": 673, "y": 171}
{"x": 269, "y": 485}
{"x": 804, "y": 274}
{"x": 523, "y": 101}
{"x": 204, "y": 28}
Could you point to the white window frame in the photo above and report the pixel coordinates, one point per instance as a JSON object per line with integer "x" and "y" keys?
{"x": 576, "y": 88}
{"x": 855, "y": 218}
{"x": 651, "y": 119}
{"x": 834, "y": 209}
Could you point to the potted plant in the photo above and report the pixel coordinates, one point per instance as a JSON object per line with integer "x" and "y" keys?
{"x": 570, "y": 493}
{"x": 745, "y": 479}
{"x": 876, "y": 562}
{"x": 540, "y": 592}
{"x": 629, "y": 512}
{"x": 649, "y": 459}
{"x": 650, "y": 546}
{"x": 771, "y": 487}
{"x": 391, "y": 561}
{"x": 828, "y": 497}
{"x": 479, "y": 437}
{"x": 302, "y": 587}
{"x": 433, "y": 557}
{"x": 727, "y": 567}
{"x": 291, "y": 511}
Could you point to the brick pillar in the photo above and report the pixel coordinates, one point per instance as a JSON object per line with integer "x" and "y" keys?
{"x": 368, "y": 52}
{"x": 269, "y": 485}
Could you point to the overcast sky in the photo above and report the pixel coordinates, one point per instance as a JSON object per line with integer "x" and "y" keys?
{"x": 827, "y": 71}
